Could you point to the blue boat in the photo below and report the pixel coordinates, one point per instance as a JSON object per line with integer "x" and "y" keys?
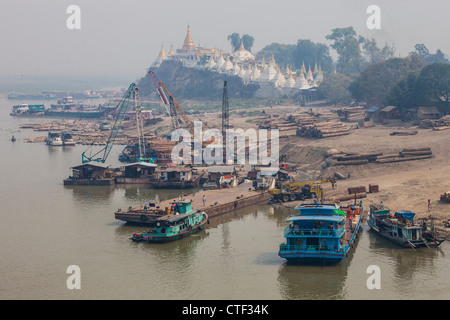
{"x": 401, "y": 228}
{"x": 321, "y": 233}
{"x": 181, "y": 222}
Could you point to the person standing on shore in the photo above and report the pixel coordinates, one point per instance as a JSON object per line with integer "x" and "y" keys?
{"x": 204, "y": 200}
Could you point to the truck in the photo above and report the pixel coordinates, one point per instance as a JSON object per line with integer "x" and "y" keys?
{"x": 292, "y": 191}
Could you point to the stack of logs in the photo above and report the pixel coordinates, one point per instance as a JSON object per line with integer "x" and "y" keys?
{"x": 323, "y": 130}
{"x": 406, "y": 155}
{"x": 436, "y": 124}
{"x": 352, "y": 114}
{"x": 288, "y": 126}
{"x": 364, "y": 158}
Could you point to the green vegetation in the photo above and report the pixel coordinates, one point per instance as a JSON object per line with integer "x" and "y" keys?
{"x": 236, "y": 39}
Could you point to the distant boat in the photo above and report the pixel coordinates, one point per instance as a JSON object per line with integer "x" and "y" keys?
{"x": 321, "y": 233}
{"x": 54, "y": 139}
{"x": 181, "y": 222}
{"x": 64, "y": 104}
{"x": 67, "y": 138}
{"x": 401, "y": 229}
{"x": 25, "y": 109}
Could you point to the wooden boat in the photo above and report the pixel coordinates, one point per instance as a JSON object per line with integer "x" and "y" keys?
{"x": 401, "y": 229}
{"x": 181, "y": 222}
{"x": 321, "y": 233}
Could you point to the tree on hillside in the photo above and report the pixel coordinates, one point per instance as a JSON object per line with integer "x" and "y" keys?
{"x": 283, "y": 53}
{"x": 423, "y": 53}
{"x": 375, "y": 83}
{"x": 373, "y": 54}
{"x": 355, "y": 52}
{"x": 236, "y": 39}
{"x": 403, "y": 94}
{"x": 248, "y": 40}
{"x": 310, "y": 53}
{"x": 347, "y": 45}
{"x": 335, "y": 89}
{"x": 433, "y": 86}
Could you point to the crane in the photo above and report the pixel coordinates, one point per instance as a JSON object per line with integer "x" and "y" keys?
{"x": 174, "y": 109}
{"x": 131, "y": 93}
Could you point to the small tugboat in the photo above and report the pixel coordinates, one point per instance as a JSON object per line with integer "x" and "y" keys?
{"x": 401, "y": 229}
{"x": 67, "y": 138}
{"x": 181, "y": 222}
{"x": 54, "y": 138}
{"x": 321, "y": 233}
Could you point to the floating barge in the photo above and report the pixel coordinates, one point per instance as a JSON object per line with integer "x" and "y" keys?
{"x": 321, "y": 233}
{"x": 218, "y": 201}
{"x": 90, "y": 174}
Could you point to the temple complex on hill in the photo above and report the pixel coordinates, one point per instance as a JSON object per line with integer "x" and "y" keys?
{"x": 242, "y": 63}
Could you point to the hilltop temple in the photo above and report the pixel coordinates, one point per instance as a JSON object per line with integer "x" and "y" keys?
{"x": 242, "y": 63}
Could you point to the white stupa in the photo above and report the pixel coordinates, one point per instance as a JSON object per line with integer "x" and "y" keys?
{"x": 290, "y": 82}
{"x": 219, "y": 63}
{"x": 256, "y": 74}
{"x": 227, "y": 66}
{"x": 279, "y": 80}
{"x": 242, "y": 54}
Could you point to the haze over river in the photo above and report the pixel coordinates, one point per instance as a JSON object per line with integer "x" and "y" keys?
{"x": 46, "y": 227}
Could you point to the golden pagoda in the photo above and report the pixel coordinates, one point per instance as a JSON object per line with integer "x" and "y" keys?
{"x": 188, "y": 42}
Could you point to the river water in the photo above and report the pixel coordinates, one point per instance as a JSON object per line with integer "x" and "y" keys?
{"x": 46, "y": 227}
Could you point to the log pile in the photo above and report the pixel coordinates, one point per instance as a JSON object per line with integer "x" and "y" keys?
{"x": 364, "y": 158}
{"x": 435, "y": 124}
{"x": 352, "y": 114}
{"x": 404, "y": 133}
{"x": 323, "y": 130}
{"x": 406, "y": 155}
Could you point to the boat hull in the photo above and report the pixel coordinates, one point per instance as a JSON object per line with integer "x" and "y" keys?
{"x": 317, "y": 256}
{"x": 76, "y": 114}
{"x": 164, "y": 239}
{"x": 403, "y": 243}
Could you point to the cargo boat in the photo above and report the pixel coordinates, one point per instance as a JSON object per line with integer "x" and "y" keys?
{"x": 54, "y": 138}
{"x": 181, "y": 222}
{"x": 67, "y": 107}
{"x": 401, "y": 229}
{"x": 25, "y": 109}
{"x": 321, "y": 233}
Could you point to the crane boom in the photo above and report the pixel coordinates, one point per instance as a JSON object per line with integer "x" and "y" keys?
{"x": 174, "y": 108}
{"x": 122, "y": 107}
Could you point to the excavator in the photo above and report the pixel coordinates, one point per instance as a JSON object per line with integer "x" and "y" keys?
{"x": 291, "y": 191}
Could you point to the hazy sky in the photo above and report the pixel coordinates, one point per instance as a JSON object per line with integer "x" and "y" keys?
{"x": 122, "y": 38}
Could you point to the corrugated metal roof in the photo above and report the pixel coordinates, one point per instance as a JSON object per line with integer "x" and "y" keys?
{"x": 92, "y": 164}
{"x": 388, "y": 108}
{"x": 220, "y": 169}
{"x": 373, "y": 109}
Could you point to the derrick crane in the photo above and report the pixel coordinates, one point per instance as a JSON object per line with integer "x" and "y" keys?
{"x": 167, "y": 102}
{"x": 174, "y": 108}
{"x": 121, "y": 108}
{"x": 225, "y": 119}
{"x": 139, "y": 125}
{"x": 225, "y": 111}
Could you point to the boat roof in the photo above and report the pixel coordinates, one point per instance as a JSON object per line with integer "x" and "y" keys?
{"x": 92, "y": 164}
{"x": 175, "y": 217}
{"x": 141, "y": 164}
{"x": 330, "y": 206}
{"x": 335, "y": 218}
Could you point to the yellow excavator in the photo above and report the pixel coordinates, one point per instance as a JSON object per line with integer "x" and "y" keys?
{"x": 291, "y": 191}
